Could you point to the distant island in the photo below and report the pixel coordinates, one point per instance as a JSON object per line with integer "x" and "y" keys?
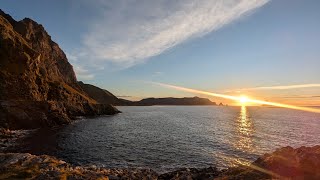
{"x": 175, "y": 101}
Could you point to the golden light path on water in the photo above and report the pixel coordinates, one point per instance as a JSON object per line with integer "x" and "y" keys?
{"x": 245, "y": 141}
{"x": 237, "y": 98}
{"x": 245, "y": 128}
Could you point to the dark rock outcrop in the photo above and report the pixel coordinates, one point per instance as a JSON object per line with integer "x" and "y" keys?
{"x": 284, "y": 163}
{"x": 300, "y": 163}
{"x": 38, "y": 86}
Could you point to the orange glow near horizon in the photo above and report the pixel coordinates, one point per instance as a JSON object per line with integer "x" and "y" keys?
{"x": 242, "y": 99}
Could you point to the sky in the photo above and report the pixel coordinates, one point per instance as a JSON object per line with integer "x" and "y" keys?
{"x": 267, "y": 49}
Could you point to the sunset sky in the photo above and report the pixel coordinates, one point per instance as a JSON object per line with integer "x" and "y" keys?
{"x": 268, "y": 49}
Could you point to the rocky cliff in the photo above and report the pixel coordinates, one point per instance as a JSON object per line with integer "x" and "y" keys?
{"x": 38, "y": 86}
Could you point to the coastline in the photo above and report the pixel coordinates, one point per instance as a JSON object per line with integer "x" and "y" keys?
{"x": 300, "y": 163}
{"x": 25, "y": 165}
{"x": 286, "y": 162}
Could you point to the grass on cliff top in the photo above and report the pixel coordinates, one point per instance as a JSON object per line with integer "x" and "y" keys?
{"x": 71, "y": 89}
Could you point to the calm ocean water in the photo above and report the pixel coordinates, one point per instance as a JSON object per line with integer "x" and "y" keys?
{"x": 168, "y": 137}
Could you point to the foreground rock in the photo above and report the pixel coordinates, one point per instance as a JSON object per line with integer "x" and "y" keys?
{"x": 284, "y": 163}
{"x": 27, "y": 166}
{"x": 38, "y": 86}
{"x": 191, "y": 173}
{"x": 300, "y": 163}
{"x": 9, "y": 138}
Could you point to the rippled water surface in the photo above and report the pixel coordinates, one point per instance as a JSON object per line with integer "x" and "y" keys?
{"x": 169, "y": 137}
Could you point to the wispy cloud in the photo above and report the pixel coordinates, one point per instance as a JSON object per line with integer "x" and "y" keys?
{"x": 157, "y": 73}
{"x": 297, "y": 86}
{"x": 83, "y": 74}
{"x": 130, "y": 31}
{"x": 83, "y": 71}
{"x": 299, "y": 97}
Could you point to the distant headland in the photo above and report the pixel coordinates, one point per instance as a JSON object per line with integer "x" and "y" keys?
{"x": 103, "y": 96}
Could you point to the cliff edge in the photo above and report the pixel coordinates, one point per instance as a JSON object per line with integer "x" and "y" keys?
{"x": 38, "y": 86}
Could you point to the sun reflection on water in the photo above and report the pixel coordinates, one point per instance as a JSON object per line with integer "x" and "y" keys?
{"x": 245, "y": 131}
{"x": 242, "y": 141}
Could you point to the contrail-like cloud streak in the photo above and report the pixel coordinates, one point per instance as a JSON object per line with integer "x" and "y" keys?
{"x": 298, "y": 86}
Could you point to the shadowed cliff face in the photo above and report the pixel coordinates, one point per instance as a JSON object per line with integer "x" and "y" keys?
{"x": 34, "y": 69}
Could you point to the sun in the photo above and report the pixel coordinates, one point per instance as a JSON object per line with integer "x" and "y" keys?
{"x": 243, "y": 99}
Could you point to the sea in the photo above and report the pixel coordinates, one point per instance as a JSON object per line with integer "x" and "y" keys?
{"x": 166, "y": 138}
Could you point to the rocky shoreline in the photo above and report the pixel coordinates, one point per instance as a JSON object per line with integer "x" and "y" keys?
{"x": 27, "y": 166}
{"x": 284, "y": 163}
{"x": 9, "y": 138}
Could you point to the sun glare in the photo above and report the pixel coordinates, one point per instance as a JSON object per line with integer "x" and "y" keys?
{"x": 243, "y": 100}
